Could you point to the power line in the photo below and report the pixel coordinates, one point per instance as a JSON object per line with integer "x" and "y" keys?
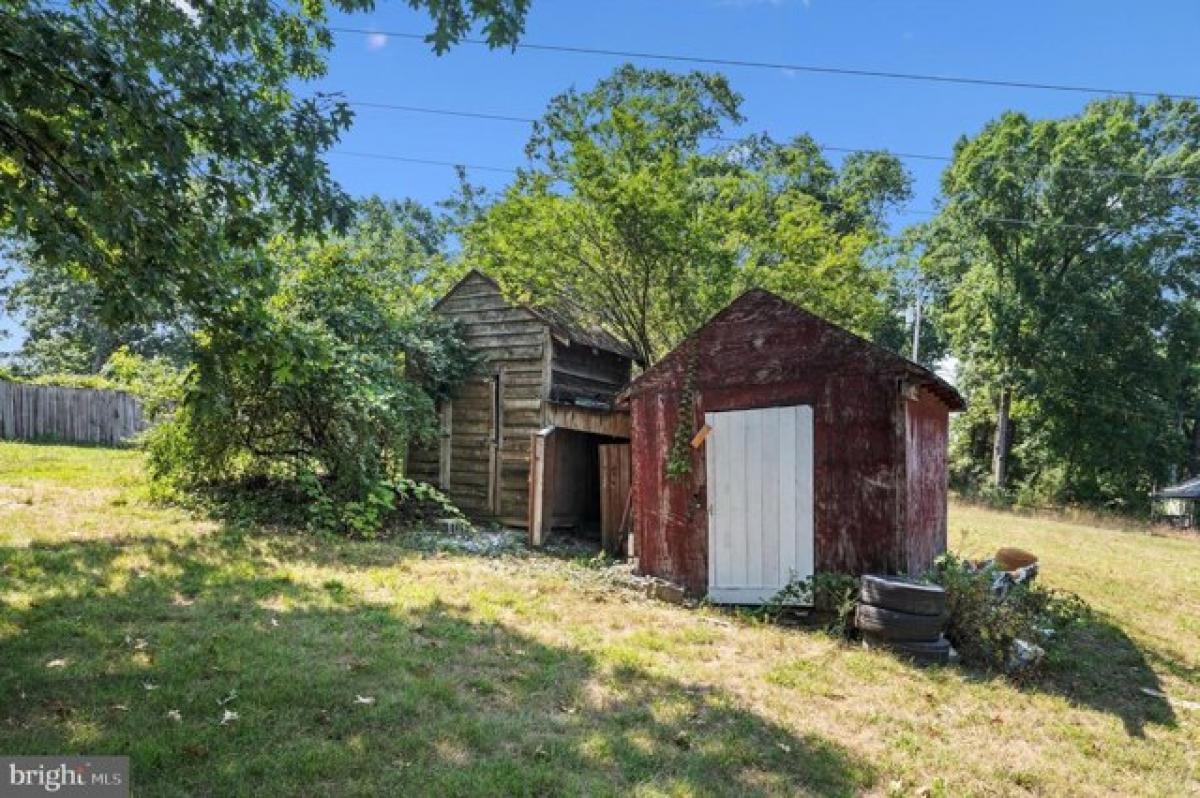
{"x": 451, "y": 112}
{"x": 902, "y": 211}
{"x": 780, "y": 66}
{"x": 422, "y": 161}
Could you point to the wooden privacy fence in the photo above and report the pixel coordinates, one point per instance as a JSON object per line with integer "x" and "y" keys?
{"x": 70, "y": 415}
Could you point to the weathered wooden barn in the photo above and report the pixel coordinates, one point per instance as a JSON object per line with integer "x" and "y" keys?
{"x": 806, "y": 448}
{"x": 534, "y": 440}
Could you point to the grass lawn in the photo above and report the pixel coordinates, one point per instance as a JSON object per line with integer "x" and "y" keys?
{"x": 390, "y": 669}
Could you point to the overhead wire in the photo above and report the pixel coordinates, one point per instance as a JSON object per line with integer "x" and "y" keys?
{"x": 469, "y": 114}
{"x": 787, "y": 67}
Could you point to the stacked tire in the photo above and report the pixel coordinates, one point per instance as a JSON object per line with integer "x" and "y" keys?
{"x": 905, "y": 616}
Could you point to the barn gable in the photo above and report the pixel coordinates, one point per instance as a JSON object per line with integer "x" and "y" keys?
{"x": 545, "y": 373}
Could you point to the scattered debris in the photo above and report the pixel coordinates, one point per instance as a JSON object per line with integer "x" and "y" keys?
{"x": 149, "y": 686}
{"x": 460, "y": 537}
{"x": 364, "y": 699}
{"x": 1012, "y": 559}
{"x": 1178, "y": 703}
{"x": 175, "y": 715}
{"x": 1024, "y": 656}
{"x": 228, "y": 717}
{"x": 666, "y": 591}
{"x": 227, "y": 699}
{"x": 57, "y": 663}
{"x": 119, "y": 708}
{"x": 274, "y": 621}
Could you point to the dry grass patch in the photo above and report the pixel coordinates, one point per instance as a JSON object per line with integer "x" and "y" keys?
{"x": 373, "y": 668}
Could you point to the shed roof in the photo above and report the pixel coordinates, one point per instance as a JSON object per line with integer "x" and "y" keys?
{"x": 565, "y": 319}
{"x": 1184, "y": 490}
{"x": 921, "y": 375}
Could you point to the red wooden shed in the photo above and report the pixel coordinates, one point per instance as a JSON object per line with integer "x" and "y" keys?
{"x": 805, "y": 448}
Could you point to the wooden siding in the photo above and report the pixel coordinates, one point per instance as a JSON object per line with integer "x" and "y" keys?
{"x": 926, "y": 442}
{"x": 489, "y": 472}
{"x": 70, "y": 415}
{"x": 489, "y": 469}
{"x": 763, "y": 352}
{"x": 613, "y": 423}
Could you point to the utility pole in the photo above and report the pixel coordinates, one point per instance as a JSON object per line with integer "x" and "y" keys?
{"x": 916, "y": 342}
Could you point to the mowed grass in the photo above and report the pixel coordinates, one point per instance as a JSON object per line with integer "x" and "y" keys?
{"x": 385, "y": 669}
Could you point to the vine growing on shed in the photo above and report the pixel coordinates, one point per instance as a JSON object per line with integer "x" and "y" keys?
{"x": 679, "y": 463}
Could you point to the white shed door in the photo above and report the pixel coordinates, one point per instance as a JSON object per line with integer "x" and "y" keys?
{"x": 760, "y": 501}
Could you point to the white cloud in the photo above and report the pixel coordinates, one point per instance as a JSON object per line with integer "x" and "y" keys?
{"x": 376, "y": 41}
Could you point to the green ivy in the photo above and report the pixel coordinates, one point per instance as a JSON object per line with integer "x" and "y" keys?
{"x": 679, "y": 463}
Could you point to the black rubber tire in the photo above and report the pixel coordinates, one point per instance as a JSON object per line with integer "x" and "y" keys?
{"x": 903, "y": 594}
{"x": 894, "y": 626}
{"x": 925, "y": 652}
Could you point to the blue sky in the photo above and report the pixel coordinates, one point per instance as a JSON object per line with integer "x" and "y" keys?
{"x": 1136, "y": 46}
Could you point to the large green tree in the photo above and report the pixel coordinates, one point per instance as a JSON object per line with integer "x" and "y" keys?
{"x": 150, "y": 146}
{"x": 635, "y": 208}
{"x": 1066, "y": 251}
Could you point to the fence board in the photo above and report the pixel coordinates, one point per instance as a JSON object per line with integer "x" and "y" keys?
{"x": 70, "y": 415}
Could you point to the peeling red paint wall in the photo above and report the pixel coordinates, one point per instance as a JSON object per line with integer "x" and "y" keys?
{"x": 763, "y": 352}
{"x": 927, "y": 434}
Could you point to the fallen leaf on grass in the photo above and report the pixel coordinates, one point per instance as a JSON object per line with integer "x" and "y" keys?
{"x": 120, "y": 707}
{"x": 57, "y": 663}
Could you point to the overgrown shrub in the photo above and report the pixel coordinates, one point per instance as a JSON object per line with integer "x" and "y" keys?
{"x": 323, "y": 387}
{"x": 983, "y": 624}
{"x": 831, "y": 596}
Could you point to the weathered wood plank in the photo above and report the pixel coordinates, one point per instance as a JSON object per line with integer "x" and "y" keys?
{"x": 73, "y": 415}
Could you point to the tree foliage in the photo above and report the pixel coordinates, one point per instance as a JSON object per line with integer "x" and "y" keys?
{"x": 628, "y": 209}
{"x": 325, "y": 390}
{"x": 152, "y": 147}
{"x": 1066, "y": 252}
{"x": 64, "y": 332}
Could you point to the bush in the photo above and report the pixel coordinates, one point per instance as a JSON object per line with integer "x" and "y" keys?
{"x": 832, "y": 597}
{"x": 983, "y": 626}
{"x": 323, "y": 387}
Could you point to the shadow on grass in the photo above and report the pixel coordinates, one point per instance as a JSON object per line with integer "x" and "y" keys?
{"x": 1095, "y": 664}
{"x": 103, "y": 643}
